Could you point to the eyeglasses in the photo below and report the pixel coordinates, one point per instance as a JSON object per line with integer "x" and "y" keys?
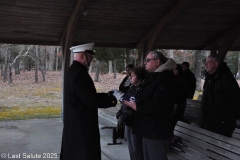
{"x": 210, "y": 61}
{"x": 148, "y": 60}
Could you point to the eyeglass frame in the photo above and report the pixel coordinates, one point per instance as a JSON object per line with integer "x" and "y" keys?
{"x": 148, "y": 60}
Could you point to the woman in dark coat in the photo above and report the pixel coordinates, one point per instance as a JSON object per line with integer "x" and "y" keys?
{"x": 81, "y": 138}
{"x": 126, "y": 115}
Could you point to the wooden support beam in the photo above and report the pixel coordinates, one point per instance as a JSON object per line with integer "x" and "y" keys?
{"x": 213, "y": 48}
{"x": 67, "y": 39}
{"x": 229, "y": 39}
{"x": 144, "y": 53}
{"x": 152, "y": 35}
{"x": 222, "y": 38}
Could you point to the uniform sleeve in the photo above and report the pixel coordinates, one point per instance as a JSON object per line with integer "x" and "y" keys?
{"x": 85, "y": 91}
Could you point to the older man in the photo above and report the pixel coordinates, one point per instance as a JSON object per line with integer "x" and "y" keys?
{"x": 80, "y": 138}
{"x": 154, "y": 111}
{"x": 220, "y": 101}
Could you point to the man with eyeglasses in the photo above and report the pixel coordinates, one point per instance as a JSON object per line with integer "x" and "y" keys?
{"x": 81, "y": 138}
{"x": 154, "y": 110}
{"x": 220, "y": 100}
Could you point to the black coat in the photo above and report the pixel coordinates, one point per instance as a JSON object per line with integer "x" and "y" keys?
{"x": 220, "y": 101}
{"x": 81, "y": 138}
{"x": 191, "y": 83}
{"x": 122, "y": 86}
{"x": 127, "y": 114}
{"x": 154, "y": 115}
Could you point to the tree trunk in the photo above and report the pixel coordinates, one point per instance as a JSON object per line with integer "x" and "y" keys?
{"x": 198, "y": 69}
{"x": 2, "y": 73}
{"x": 170, "y": 53}
{"x": 41, "y": 66}
{"x": 110, "y": 68}
{"x": 115, "y": 68}
{"x": 56, "y": 63}
{"x": 98, "y": 64}
{"x": 127, "y": 57}
{"x": 51, "y": 58}
{"x": 16, "y": 66}
{"x": 90, "y": 68}
{"x": 36, "y": 63}
{"x": 10, "y": 74}
{"x": 5, "y": 65}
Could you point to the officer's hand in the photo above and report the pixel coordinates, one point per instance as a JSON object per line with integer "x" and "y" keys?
{"x": 118, "y": 95}
{"x": 110, "y": 93}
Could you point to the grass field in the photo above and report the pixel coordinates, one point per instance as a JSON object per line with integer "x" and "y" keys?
{"x": 25, "y": 99}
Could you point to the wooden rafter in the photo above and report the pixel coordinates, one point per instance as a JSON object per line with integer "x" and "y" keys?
{"x": 221, "y": 37}
{"x": 152, "y": 35}
{"x": 227, "y": 38}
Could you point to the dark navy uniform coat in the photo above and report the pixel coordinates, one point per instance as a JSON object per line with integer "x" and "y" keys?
{"x": 81, "y": 138}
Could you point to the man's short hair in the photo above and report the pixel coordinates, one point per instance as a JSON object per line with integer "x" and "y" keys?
{"x": 215, "y": 57}
{"x": 159, "y": 55}
{"x": 186, "y": 64}
{"x": 130, "y": 66}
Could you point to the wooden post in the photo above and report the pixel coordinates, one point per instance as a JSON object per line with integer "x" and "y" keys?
{"x": 67, "y": 39}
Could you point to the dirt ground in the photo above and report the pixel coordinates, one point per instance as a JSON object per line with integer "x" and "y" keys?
{"x": 24, "y": 92}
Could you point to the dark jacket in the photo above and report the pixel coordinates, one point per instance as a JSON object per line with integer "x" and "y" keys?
{"x": 220, "y": 101}
{"x": 180, "y": 89}
{"x": 127, "y": 114}
{"x": 191, "y": 83}
{"x": 122, "y": 87}
{"x": 154, "y": 115}
{"x": 81, "y": 139}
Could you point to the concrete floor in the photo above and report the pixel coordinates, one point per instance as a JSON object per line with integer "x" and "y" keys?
{"x": 41, "y": 139}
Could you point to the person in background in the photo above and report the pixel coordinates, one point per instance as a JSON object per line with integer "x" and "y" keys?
{"x": 220, "y": 101}
{"x": 123, "y": 87}
{"x": 154, "y": 110}
{"x": 191, "y": 80}
{"x": 180, "y": 94}
{"x": 180, "y": 101}
{"x": 80, "y": 137}
{"x": 125, "y": 84}
{"x": 126, "y": 115}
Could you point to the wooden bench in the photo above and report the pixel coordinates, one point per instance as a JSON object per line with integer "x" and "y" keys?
{"x": 107, "y": 118}
{"x": 193, "y": 111}
{"x": 197, "y": 143}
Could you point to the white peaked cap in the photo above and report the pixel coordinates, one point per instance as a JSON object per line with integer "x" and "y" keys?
{"x": 82, "y": 48}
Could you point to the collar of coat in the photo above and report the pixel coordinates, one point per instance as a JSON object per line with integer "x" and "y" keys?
{"x": 169, "y": 65}
{"x": 79, "y": 64}
{"x": 222, "y": 69}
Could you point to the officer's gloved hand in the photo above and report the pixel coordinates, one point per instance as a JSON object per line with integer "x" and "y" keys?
{"x": 110, "y": 93}
{"x": 118, "y": 94}
{"x": 120, "y": 123}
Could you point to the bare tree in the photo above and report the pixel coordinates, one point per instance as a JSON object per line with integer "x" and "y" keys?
{"x": 170, "y": 53}
{"x": 115, "y": 68}
{"x": 98, "y": 65}
{"x": 110, "y": 69}
{"x": 198, "y": 68}
{"x": 7, "y": 59}
{"x": 36, "y": 63}
{"x": 41, "y": 66}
